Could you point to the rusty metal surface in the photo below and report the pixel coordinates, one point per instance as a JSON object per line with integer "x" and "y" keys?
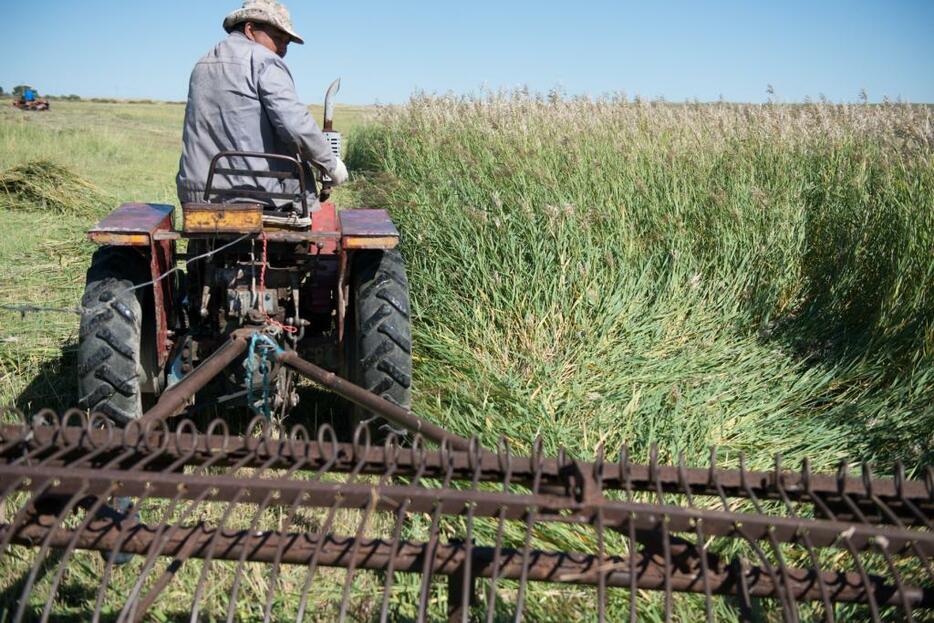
{"x": 161, "y": 261}
{"x": 138, "y": 224}
{"x": 370, "y": 242}
{"x": 324, "y": 221}
{"x": 371, "y": 402}
{"x": 486, "y": 534}
{"x": 362, "y": 223}
{"x": 213, "y": 218}
{"x": 298, "y": 173}
{"x": 106, "y": 238}
{"x": 142, "y": 218}
{"x": 176, "y": 398}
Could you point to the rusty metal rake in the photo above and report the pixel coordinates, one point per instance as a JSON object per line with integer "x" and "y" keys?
{"x": 362, "y": 531}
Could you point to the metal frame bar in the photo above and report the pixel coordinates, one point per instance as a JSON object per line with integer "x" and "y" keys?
{"x": 644, "y": 526}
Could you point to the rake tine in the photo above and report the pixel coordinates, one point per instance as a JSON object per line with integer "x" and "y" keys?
{"x": 392, "y": 450}
{"x": 601, "y": 545}
{"x": 665, "y": 537}
{"x": 626, "y": 474}
{"x": 212, "y": 544}
{"x": 713, "y": 480}
{"x": 165, "y": 530}
{"x": 746, "y": 610}
{"x": 360, "y": 534}
{"x": 66, "y": 555}
{"x": 530, "y": 517}
{"x": 701, "y": 544}
{"x": 257, "y": 515}
{"x": 428, "y": 567}
{"x": 37, "y": 494}
{"x": 68, "y": 507}
{"x": 805, "y": 539}
{"x": 504, "y": 458}
{"x": 90, "y": 514}
{"x": 848, "y": 544}
{"x": 467, "y": 583}
{"x": 900, "y": 587}
{"x": 899, "y": 478}
{"x": 37, "y": 565}
{"x": 360, "y": 461}
{"x": 26, "y": 509}
{"x": 228, "y": 511}
{"x": 864, "y": 577}
{"x": 182, "y": 556}
{"x": 285, "y": 526}
{"x": 782, "y": 568}
{"x": 891, "y": 515}
{"x": 147, "y": 431}
{"x": 781, "y": 589}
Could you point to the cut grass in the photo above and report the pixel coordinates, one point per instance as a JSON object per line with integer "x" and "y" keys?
{"x": 44, "y": 186}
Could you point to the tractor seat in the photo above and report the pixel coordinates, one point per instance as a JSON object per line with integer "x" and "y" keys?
{"x": 247, "y": 208}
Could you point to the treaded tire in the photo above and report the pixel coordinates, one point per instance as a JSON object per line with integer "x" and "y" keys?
{"x": 381, "y": 341}
{"x": 109, "y": 369}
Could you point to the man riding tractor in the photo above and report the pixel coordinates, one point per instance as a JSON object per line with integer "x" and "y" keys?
{"x": 242, "y": 98}
{"x": 269, "y": 260}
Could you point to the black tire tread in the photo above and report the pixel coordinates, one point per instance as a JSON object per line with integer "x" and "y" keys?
{"x": 109, "y": 339}
{"x": 383, "y": 335}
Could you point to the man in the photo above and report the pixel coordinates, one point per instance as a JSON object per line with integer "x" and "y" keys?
{"x": 242, "y": 98}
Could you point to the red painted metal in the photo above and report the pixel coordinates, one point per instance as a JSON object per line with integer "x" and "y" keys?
{"x": 162, "y": 259}
{"x": 150, "y": 219}
{"x": 325, "y": 221}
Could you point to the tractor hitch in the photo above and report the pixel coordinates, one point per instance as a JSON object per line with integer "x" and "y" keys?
{"x": 174, "y": 400}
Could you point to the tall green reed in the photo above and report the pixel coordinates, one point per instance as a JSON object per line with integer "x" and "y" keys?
{"x": 605, "y": 271}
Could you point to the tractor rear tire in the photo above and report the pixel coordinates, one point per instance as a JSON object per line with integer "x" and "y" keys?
{"x": 380, "y": 339}
{"x": 110, "y": 366}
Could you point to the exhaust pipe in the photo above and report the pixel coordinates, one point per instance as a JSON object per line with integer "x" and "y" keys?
{"x": 333, "y": 138}
{"x": 329, "y": 105}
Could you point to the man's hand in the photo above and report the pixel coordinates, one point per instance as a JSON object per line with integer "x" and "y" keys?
{"x": 339, "y": 175}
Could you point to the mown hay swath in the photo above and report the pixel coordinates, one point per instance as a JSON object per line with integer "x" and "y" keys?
{"x": 48, "y": 186}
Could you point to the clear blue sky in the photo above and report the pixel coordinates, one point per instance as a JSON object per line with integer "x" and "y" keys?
{"x": 385, "y": 50}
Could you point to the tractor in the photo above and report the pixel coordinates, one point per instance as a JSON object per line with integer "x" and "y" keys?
{"x": 30, "y": 100}
{"x": 328, "y": 286}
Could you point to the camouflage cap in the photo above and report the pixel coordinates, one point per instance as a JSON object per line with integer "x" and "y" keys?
{"x": 266, "y": 12}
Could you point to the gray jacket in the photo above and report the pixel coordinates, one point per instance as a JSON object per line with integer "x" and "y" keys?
{"x": 242, "y": 97}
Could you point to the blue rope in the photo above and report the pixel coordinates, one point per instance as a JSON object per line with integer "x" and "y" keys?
{"x": 267, "y": 349}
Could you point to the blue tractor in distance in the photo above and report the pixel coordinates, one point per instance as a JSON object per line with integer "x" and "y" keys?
{"x": 29, "y": 100}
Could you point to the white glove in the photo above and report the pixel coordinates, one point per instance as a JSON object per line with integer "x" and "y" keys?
{"x": 339, "y": 175}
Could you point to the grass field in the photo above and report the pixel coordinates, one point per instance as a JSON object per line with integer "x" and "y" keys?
{"x": 751, "y": 277}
